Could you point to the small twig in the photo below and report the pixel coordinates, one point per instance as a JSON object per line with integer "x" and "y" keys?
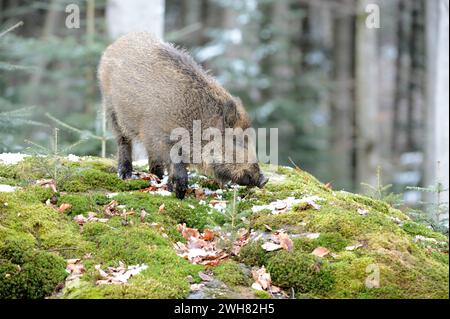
{"x": 18, "y": 24}
{"x": 295, "y": 165}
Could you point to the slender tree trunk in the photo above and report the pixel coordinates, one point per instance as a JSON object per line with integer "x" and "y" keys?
{"x": 366, "y": 98}
{"x": 414, "y": 79}
{"x": 48, "y": 30}
{"x": 399, "y": 79}
{"x": 341, "y": 107}
{"x": 281, "y": 67}
{"x": 437, "y": 155}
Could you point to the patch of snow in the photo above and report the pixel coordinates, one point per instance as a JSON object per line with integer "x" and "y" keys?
{"x": 73, "y": 158}
{"x": 161, "y": 192}
{"x": 281, "y": 206}
{"x": 7, "y": 188}
{"x": 12, "y": 158}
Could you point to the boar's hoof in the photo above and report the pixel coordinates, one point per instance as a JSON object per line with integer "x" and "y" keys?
{"x": 125, "y": 174}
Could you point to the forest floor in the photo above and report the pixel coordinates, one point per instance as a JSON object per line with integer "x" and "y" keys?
{"x": 70, "y": 228}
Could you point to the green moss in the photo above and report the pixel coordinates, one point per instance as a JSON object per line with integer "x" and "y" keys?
{"x": 26, "y": 273}
{"x": 254, "y": 255}
{"x": 95, "y": 179}
{"x": 35, "y": 237}
{"x": 333, "y": 241}
{"x": 83, "y": 203}
{"x": 26, "y": 215}
{"x": 303, "y": 272}
{"x": 414, "y": 229}
{"x": 8, "y": 171}
{"x": 261, "y": 294}
{"x": 232, "y": 274}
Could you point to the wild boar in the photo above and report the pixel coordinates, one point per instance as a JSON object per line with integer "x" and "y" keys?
{"x": 149, "y": 88}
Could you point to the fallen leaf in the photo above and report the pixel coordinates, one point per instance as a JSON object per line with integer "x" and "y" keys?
{"x": 262, "y": 277}
{"x": 47, "y": 183}
{"x": 208, "y": 235}
{"x": 285, "y": 241}
{"x": 199, "y": 193}
{"x": 350, "y": 248}
{"x": 362, "y": 211}
{"x": 269, "y": 246}
{"x": 320, "y": 252}
{"x": 205, "y": 277}
{"x": 197, "y": 287}
{"x": 80, "y": 219}
{"x": 63, "y": 207}
{"x": 118, "y": 275}
{"x": 143, "y": 214}
{"x": 111, "y": 208}
{"x": 161, "y": 208}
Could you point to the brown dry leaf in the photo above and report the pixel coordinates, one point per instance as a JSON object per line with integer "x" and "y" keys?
{"x": 199, "y": 193}
{"x": 285, "y": 241}
{"x": 320, "y": 252}
{"x": 161, "y": 208}
{"x": 75, "y": 268}
{"x": 243, "y": 239}
{"x": 149, "y": 189}
{"x": 187, "y": 232}
{"x": 47, "y": 183}
{"x": 80, "y": 219}
{"x": 118, "y": 275}
{"x": 63, "y": 207}
{"x": 143, "y": 213}
{"x": 262, "y": 277}
{"x": 111, "y": 208}
{"x": 147, "y": 176}
{"x": 198, "y": 250}
{"x": 208, "y": 235}
{"x": 215, "y": 202}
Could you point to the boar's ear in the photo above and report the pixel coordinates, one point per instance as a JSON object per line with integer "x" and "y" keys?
{"x": 230, "y": 115}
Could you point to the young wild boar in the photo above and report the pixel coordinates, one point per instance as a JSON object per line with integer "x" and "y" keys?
{"x": 150, "y": 88}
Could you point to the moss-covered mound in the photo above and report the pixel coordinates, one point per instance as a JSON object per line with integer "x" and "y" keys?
{"x": 374, "y": 251}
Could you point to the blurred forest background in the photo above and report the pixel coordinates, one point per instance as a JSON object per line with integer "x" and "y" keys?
{"x": 353, "y": 104}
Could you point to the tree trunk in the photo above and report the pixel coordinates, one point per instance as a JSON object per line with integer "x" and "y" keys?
{"x": 124, "y": 16}
{"x": 341, "y": 106}
{"x": 366, "y": 98}
{"x": 437, "y": 152}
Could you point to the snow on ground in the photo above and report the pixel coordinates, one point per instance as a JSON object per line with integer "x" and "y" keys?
{"x": 12, "y": 158}
{"x": 7, "y": 188}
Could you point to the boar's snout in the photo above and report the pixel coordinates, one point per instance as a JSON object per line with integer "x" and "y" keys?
{"x": 262, "y": 181}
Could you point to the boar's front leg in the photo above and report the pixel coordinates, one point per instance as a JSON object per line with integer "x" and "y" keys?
{"x": 178, "y": 179}
{"x": 125, "y": 167}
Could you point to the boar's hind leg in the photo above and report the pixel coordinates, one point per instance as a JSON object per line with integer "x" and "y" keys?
{"x": 124, "y": 148}
{"x": 125, "y": 167}
{"x": 178, "y": 179}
